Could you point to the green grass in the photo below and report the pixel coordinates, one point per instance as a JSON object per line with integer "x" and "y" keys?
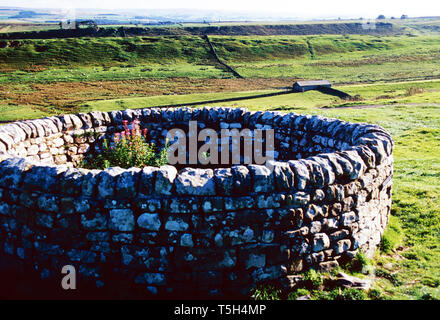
{"x": 14, "y": 112}
{"x": 121, "y": 72}
{"x": 341, "y": 59}
{"x": 96, "y": 59}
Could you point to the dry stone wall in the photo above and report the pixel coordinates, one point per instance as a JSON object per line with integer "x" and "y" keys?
{"x": 192, "y": 231}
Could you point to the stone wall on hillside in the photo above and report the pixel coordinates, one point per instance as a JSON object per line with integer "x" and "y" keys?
{"x": 192, "y": 231}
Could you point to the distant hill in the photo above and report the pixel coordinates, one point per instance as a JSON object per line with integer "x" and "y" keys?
{"x": 276, "y": 29}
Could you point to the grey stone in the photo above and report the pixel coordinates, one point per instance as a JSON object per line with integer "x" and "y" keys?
{"x": 348, "y": 218}
{"x": 301, "y": 198}
{"x": 283, "y": 175}
{"x": 346, "y": 281}
{"x": 126, "y": 183}
{"x": 70, "y": 181}
{"x": 44, "y": 220}
{"x": 94, "y": 221}
{"x": 12, "y": 171}
{"x": 225, "y": 181}
{"x": 146, "y": 183}
{"x": 44, "y": 178}
{"x": 242, "y": 179}
{"x": 218, "y": 239}
{"x": 164, "y": 179}
{"x": 262, "y": 178}
{"x": 268, "y": 236}
{"x": 301, "y": 173}
{"x": 176, "y": 224}
{"x": 186, "y": 240}
{"x": 256, "y": 260}
{"x": 320, "y": 242}
{"x": 314, "y": 212}
{"x": 48, "y": 203}
{"x": 149, "y": 221}
{"x": 107, "y": 181}
{"x": 342, "y": 246}
{"x": 121, "y": 220}
{"x": 356, "y": 162}
{"x": 195, "y": 182}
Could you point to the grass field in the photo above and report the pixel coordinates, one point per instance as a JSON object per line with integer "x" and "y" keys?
{"x": 341, "y": 59}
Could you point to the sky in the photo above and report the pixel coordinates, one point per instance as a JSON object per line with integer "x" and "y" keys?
{"x": 297, "y": 8}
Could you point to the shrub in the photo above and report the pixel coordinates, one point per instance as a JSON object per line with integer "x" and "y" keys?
{"x": 358, "y": 263}
{"x": 266, "y": 292}
{"x": 298, "y": 293}
{"x": 130, "y": 149}
{"x": 351, "y": 294}
{"x": 313, "y": 279}
{"x": 375, "y": 294}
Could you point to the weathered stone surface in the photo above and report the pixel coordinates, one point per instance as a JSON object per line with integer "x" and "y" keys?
{"x": 44, "y": 220}
{"x": 107, "y": 180}
{"x": 346, "y": 281}
{"x": 147, "y": 178}
{"x": 127, "y": 183}
{"x": 70, "y": 182}
{"x": 302, "y": 174}
{"x": 12, "y": 171}
{"x": 48, "y": 203}
{"x": 320, "y": 242}
{"x": 176, "y": 224}
{"x": 149, "y": 221}
{"x": 242, "y": 179}
{"x": 283, "y": 175}
{"x": 164, "y": 180}
{"x": 94, "y": 221}
{"x": 262, "y": 178}
{"x": 186, "y": 240}
{"x": 44, "y": 178}
{"x": 348, "y": 218}
{"x": 342, "y": 246}
{"x": 195, "y": 182}
{"x": 225, "y": 181}
{"x": 121, "y": 220}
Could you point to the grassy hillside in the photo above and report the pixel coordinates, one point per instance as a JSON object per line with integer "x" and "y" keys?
{"x": 342, "y": 27}
{"x": 104, "y": 51}
{"x": 342, "y": 59}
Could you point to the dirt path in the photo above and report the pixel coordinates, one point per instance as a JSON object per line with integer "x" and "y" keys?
{"x": 368, "y": 106}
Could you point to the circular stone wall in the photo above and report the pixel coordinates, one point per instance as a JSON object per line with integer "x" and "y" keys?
{"x": 193, "y": 231}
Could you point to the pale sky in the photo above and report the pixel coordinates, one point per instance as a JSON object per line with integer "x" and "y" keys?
{"x": 298, "y": 8}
